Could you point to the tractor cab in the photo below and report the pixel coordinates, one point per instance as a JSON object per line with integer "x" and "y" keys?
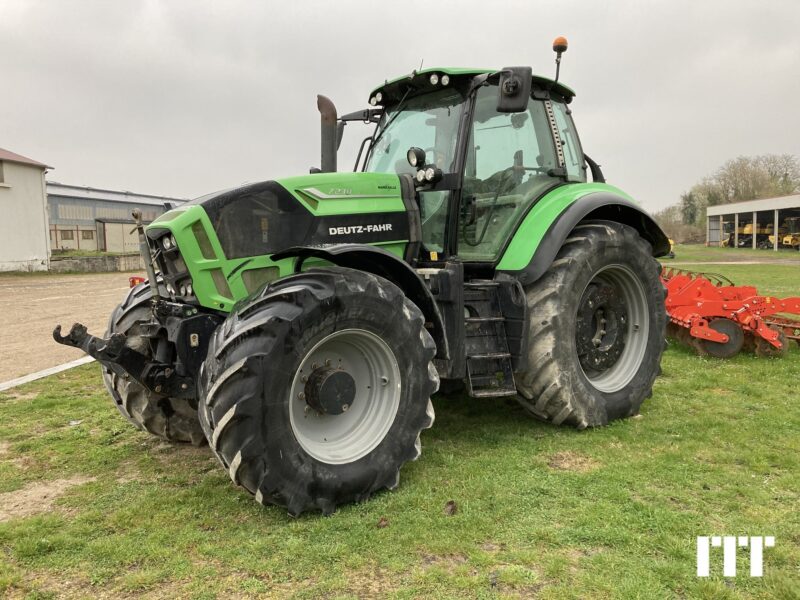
{"x": 478, "y": 164}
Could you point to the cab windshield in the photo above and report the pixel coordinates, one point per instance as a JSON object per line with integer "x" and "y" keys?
{"x": 429, "y": 121}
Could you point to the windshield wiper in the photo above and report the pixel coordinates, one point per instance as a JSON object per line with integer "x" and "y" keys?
{"x": 400, "y": 108}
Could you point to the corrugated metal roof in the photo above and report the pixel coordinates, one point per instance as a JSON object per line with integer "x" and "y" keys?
{"x": 781, "y": 202}
{"x": 9, "y": 156}
{"x": 87, "y": 193}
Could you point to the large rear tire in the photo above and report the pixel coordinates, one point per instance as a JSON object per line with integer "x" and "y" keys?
{"x": 597, "y": 324}
{"x": 174, "y": 420}
{"x": 316, "y": 388}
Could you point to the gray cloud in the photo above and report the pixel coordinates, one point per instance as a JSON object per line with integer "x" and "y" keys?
{"x": 186, "y": 97}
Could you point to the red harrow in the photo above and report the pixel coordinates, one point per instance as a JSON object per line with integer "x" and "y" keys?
{"x": 708, "y": 312}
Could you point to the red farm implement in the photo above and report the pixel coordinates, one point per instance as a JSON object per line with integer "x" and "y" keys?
{"x": 708, "y": 312}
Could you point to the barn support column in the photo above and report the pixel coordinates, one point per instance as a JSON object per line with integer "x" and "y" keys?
{"x": 735, "y": 230}
{"x": 775, "y": 229}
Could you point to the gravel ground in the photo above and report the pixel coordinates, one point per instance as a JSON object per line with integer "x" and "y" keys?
{"x": 32, "y": 305}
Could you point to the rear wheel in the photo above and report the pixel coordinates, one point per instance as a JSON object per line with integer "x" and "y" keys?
{"x": 174, "y": 420}
{"x": 315, "y": 389}
{"x": 597, "y": 324}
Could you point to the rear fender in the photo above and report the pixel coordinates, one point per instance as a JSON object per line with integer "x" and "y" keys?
{"x": 606, "y": 206}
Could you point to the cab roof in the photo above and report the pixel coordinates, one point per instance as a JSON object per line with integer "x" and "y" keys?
{"x": 393, "y": 90}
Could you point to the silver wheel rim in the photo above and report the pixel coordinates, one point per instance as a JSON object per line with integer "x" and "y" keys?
{"x": 631, "y": 290}
{"x": 351, "y": 435}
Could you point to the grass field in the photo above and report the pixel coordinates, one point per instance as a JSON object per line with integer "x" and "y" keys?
{"x": 699, "y": 253}
{"x": 89, "y": 507}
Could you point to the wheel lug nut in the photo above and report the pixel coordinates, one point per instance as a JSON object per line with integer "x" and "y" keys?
{"x": 384, "y": 380}
{"x": 301, "y": 396}
{"x": 345, "y": 407}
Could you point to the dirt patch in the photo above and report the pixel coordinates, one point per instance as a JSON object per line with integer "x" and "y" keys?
{"x": 31, "y": 307}
{"x": 24, "y": 463}
{"x": 128, "y": 473}
{"x": 377, "y": 583}
{"x": 448, "y": 562}
{"x": 492, "y": 547}
{"x": 4, "y": 448}
{"x": 572, "y": 461}
{"x": 69, "y": 586}
{"x": 181, "y": 457}
{"x": 36, "y": 497}
{"x": 13, "y": 396}
{"x": 719, "y": 391}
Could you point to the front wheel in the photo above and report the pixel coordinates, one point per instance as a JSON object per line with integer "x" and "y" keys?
{"x": 315, "y": 389}
{"x": 172, "y": 419}
{"x": 596, "y": 328}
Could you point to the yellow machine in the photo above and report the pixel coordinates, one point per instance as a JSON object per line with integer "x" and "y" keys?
{"x": 791, "y": 237}
{"x": 792, "y": 240}
{"x": 767, "y": 229}
{"x": 729, "y": 231}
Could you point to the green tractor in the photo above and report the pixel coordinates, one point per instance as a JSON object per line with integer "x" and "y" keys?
{"x": 300, "y": 326}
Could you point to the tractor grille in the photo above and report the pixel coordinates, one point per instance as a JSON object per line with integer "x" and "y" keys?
{"x": 169, "y": 262}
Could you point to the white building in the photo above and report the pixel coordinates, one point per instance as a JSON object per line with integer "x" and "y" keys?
{"x": 23, "y": 201}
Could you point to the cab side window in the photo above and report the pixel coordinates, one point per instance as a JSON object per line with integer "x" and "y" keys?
{"x": 573, "y": 155}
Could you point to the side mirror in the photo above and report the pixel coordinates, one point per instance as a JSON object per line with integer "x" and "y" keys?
{"x": 514, "y": 89}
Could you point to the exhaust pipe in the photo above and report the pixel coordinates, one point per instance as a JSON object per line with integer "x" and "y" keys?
{"x": 329, "y": 134}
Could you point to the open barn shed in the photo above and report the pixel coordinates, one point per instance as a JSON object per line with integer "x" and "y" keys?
{"x": 771, "y": 223}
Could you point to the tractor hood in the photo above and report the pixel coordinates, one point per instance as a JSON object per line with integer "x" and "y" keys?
{"x": 325, "y": 208}
{"x": 320, "y": 209}
{"x": 219, "y": 246}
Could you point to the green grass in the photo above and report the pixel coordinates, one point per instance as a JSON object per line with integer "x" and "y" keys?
{"x": 542, "y": 511}
{"x": 698, "y": 252}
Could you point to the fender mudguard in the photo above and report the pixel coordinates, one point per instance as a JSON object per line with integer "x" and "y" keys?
{"x": 379, "y": 262}
{"x": 605, "y": 205}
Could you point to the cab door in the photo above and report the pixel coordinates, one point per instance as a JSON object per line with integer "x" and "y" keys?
{"x": 510, "y": 161}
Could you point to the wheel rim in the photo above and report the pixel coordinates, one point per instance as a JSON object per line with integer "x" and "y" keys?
{"x": 366, "y": 409}
{"x": 612, "y": 329}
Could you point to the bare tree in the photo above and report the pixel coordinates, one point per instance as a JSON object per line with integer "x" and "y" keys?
{"x": 739, "y": 179}
{"x": 752, "y": 178}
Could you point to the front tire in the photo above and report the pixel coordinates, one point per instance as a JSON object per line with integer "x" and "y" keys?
{"x": 597, "y": 323}
{"x": 315, "y": 389}
{"x": 172, "y": 419}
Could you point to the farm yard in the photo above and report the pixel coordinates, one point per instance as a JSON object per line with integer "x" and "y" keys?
{"x": 498, "y": 505}
{"x": 33, "y": 303}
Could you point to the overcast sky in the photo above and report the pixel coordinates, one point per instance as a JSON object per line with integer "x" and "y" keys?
{"x": 186, "y": 97}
